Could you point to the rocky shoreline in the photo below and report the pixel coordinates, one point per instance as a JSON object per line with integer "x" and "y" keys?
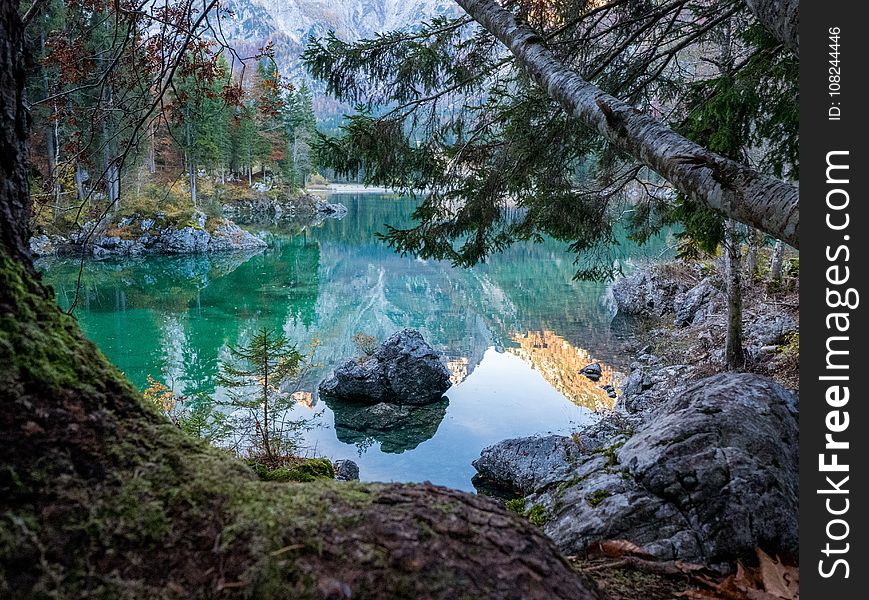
{"x": 139, "y": 235}
{"x": 692, "y": 464}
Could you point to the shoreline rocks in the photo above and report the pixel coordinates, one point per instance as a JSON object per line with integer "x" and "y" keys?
{"x": 709, "y": 476}
{"x": 137, "y": 236}
{"x": 307, "y": 207}
{"x": 404, "y": 370}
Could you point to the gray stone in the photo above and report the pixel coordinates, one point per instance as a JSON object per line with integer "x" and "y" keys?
{"x": 42, "y": 245}
{"x": 346, "y": 470}
{"x": 709, "y": 477}
{"x": 769, "y": 330}
{"x": 592, "y": 371}
{"x": 646, "y": 293}
{"x": 403, "y": 370}
{"x": 693, "y": 306}
{"x": 229, "y": 236}
{"x": 650, "y": 383}
{"x": 187, "y": 240}
{"x": 526, "y": 464}
{"x": 610, "y": 390}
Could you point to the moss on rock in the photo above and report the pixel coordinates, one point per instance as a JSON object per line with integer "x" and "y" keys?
{"x": 300, "y": 470}
{"x": 102, "y": 497}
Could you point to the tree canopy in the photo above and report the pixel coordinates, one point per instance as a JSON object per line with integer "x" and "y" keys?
{"x": 574, "y": 112}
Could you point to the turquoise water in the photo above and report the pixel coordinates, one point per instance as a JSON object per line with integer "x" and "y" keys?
{"x": 515, "y": 331}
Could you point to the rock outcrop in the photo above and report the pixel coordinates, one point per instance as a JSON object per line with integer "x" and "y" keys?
{"x": 693, "y": 306}
{"x": 709, "y": 477}
{"x": 403, "y": 370}
{"x": 647, "y": 293}
{"x": 304, "y": 209}
{"x": 136, "y": 236}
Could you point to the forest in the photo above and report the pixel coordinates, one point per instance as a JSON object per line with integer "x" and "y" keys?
{"x": 546, "y": 345}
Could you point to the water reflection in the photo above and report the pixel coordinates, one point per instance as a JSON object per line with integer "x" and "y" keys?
{"x": 396, "y": 428}
{"x": 559, "y": 362}
{"x": 174, "y": 318}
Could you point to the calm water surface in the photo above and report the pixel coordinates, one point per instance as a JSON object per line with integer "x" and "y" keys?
{"x": 515, "y": 331}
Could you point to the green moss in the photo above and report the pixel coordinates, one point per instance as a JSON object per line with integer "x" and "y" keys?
{"x": 597, "y": 497}
{"x": 517, "y": 505}
{"x": 305, "y": 470}
{"x": 537, "y": 515}
{"x": 610, "y": 453}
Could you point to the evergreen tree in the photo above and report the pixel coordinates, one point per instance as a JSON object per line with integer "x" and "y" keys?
{"x": 301, "y": 125}
{"x": 253, "y": 377}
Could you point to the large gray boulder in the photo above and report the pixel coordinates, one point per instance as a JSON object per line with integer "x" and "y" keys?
{"x": 709, "y": 477}
{"x": 524, "y": 465}
{"x": 651, "y": 383}
{"x": 647, "y": 292}
{"x": 695, "y": 305}
{"x": 403, "y": 370}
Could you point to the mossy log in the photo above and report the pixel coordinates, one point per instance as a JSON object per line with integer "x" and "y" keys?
{"x": 100, "y": 497}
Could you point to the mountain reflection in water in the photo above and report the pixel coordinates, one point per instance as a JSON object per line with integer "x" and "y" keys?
{"x": 514, "y": 331}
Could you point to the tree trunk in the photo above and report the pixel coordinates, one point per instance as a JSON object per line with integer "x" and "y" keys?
{"x": 739, "y": 192}
{"x": 734, "y": 355}
{"x": 781, "y": 18}
{"x": 79, "y": 183}
{"x": 775, "y": 265}
{"x": 102, "y": 497}
{"x": 755, "y": 242}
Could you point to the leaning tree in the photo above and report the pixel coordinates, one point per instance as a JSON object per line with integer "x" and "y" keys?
{"x": 574, "y": 111}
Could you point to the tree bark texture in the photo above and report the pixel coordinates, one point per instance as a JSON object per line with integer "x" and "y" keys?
{"x": 781, "y": 18}
{"x": 776, "y": 262}
{"x": 739, "y": 192}
{"x": 734, "y": 354}
{"x": 101, "y": 497}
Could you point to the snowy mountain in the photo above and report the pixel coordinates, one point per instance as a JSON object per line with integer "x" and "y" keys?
{"x": 295, "y": 20}
{"x": 288, "y": 24}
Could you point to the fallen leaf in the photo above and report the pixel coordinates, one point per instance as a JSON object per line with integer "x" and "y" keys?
{"x": 617, "y": 549}
{"x": 778, "y": 579}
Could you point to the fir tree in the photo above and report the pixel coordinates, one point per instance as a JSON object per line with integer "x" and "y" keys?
{"x": 254, "y": 377}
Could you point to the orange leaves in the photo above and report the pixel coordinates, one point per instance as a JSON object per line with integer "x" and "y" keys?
{"x": 617, "y": 549}
{"x": 160, "y": 395}
{"x": 769, "y": 580}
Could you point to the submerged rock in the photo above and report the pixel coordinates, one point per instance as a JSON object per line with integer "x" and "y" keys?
{"x": 710, "y": 476}
{"x": 403, "y": 370}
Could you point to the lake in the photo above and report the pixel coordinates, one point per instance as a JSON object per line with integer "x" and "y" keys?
{"x": 515, "y": 332}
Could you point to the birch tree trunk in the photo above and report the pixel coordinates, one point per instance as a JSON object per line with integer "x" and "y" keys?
{"x": 755, "y": 241}
{"x": 775, "y": 265}
{"x": 739, "y": 192}
{"x": 781, "y": 18}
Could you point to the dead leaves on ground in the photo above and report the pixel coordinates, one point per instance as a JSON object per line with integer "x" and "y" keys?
{"x": 770, "y": 579}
